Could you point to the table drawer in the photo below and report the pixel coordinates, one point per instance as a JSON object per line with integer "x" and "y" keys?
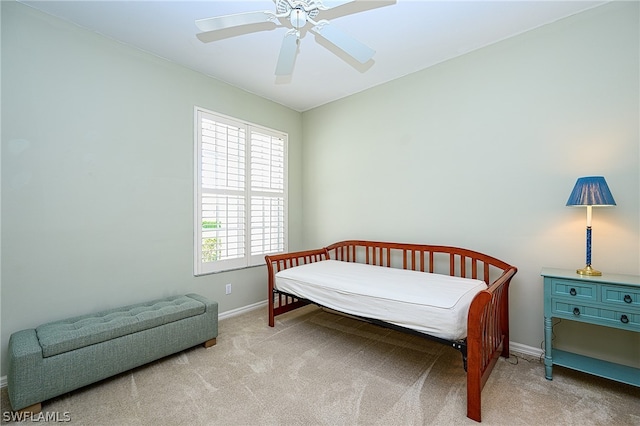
{"x": 628, "y": 297}
{"x": 620, "y": 318}
{"x": 581, "y": 291}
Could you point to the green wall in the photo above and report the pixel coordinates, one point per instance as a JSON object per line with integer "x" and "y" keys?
{"x": 482, "y": 152}
{"x": 97, "y": 174}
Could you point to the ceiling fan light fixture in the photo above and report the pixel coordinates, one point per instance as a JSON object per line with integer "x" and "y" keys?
{"x": 298, "y": 18}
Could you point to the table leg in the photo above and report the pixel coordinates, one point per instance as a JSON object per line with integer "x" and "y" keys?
{"x": 548, "y": 360}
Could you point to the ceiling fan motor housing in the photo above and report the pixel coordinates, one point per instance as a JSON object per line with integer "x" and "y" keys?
{"x": 298, "y": 11}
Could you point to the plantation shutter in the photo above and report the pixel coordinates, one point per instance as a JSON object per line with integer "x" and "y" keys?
{"x": 240, "y": 193}
{"x": 267, "y": 194}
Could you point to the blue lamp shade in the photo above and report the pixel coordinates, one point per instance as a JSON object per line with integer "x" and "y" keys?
{"x": 591, "y": 191}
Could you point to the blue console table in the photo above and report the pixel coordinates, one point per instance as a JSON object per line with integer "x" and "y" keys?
{"x": 610, "y": 300}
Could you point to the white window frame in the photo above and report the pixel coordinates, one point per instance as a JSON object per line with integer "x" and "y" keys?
{"x": 249, "y": 258}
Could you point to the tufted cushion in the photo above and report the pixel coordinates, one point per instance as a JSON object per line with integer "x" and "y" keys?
{"x": 73, "y": 333}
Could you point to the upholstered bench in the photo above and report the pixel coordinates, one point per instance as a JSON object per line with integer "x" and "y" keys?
{"x": 61, "y": 356}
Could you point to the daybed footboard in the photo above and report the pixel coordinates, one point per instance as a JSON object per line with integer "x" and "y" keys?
{"x": 278, "y": 302}
{"x": 488, "y": 318}
{"x": 487, "y": 337}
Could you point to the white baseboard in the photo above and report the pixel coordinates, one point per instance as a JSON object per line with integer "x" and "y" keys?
{"x": 530, "y": 351}
{"x": 3, "y": 382}
{"x": 242, "y": 310}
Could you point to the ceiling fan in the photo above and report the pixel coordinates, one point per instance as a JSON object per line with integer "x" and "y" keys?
{"x": 298, "y": 13}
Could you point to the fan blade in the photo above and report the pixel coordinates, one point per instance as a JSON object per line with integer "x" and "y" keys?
{"x": 344, "y": 8}
{"x": 351, "y": 46}
{"x": 236, "y": 20}
{"x": 330, "y": 4}
{"x": 288, "y": 51}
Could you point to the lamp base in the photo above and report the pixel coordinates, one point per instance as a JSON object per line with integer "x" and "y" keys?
{"x": 588, "y": 270}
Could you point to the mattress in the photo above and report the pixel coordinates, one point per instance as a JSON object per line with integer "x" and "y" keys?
{"x": 434, "y": 304}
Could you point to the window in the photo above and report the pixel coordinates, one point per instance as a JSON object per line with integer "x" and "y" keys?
{"x": 240, "y": 193}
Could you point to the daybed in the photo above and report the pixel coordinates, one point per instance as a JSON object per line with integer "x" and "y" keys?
{"x": 61, "y": 356}
{"x": 464, "y": 305}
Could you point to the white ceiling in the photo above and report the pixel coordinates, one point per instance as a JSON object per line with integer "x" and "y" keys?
{"x": 408, "y": 35}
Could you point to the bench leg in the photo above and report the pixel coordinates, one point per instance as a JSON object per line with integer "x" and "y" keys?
{"x": 209, "y": 343}
{"x": 33, "y": 409}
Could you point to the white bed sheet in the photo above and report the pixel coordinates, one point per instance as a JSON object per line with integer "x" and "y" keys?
{"x": 431, "y": 303}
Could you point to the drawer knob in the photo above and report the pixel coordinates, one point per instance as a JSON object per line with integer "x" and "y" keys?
{"x": 627, "y": 298}
{"x": 573, "y": 292}
{"x": 576, "y": 312}
{"x": 624, "y": 319}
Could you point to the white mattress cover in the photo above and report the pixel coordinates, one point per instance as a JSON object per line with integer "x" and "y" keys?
{"x": 431, "y": 303}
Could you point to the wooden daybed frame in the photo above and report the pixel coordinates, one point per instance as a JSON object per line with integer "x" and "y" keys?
{"x": 488, "y": 318}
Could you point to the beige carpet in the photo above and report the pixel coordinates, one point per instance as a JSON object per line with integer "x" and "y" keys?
{"x": 319, "y": 368}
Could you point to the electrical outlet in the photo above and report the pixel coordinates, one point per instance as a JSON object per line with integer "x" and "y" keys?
{"x": 228, "y": 289}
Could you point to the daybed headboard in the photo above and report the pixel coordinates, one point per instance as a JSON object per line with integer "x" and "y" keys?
{"x": 420, "y": 257}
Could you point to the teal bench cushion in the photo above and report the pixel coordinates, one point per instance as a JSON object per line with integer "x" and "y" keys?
{"x": 74, "y": 333}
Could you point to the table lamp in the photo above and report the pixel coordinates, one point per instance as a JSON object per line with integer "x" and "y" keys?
{"x": 590, "y": 191}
